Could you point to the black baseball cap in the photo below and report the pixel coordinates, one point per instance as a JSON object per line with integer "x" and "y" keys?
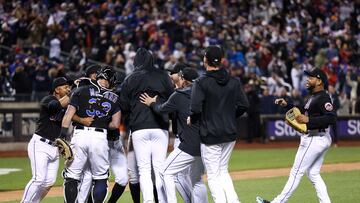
{"x": 214, "y": 54}
{"x": 90, "y": 70}
{"x": 176, "y": 68}
{"x": 189, "y": 74}
{"x": 317, "y": 73}
{"x": 60, "y": 81}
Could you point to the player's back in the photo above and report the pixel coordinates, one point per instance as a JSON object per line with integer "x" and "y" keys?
{"x": 222, "y": 94}
{"x": 94, "y": 101}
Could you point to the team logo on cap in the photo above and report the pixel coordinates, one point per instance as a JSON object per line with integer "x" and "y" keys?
{"x": 328, "y": 106}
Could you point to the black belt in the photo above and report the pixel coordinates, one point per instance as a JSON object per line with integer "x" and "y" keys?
{"x": 96, "y": 129}
{"x": 320, "y": 132}
{"x": 49, "y": 142}
{"x": 316, "y": 135}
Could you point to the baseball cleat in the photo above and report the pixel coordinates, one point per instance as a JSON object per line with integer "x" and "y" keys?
{"x": 261, "y": 200}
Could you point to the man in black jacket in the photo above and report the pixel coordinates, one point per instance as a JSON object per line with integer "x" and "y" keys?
{"x": 217, "y": 100}
{"x": 149, "y": 130}
{"x": 187, "y": 154}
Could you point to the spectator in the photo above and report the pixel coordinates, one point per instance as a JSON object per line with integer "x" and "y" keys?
{"x": 129, "y": 64}
{"x": 253, "y": 112}
{"x": 344, "y": 107}
{"x": 297, "y": 98}
{"x": 41, "y": 83}
{"x": 55, "y": 48}
{"x": 252, "y": 68}
{"x": 267, "y": 102}
{"x": 351, "y": 80}
{"x": 296, "y": 76}
{"x": 272, "y": 34}
{"x": 22, "y": 84}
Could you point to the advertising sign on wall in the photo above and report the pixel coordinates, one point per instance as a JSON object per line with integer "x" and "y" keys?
{"x": 277, "y": 129}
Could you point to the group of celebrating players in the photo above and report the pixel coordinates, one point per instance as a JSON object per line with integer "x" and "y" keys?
{"x": 203, "y": 111}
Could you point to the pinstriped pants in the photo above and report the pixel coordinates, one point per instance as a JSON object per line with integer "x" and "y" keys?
{"x": 308, "y": 159}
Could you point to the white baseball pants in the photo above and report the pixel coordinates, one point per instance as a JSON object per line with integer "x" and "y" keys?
{"x": 182, "y": 180}
{"x": 118, "y": 165}
{"x": 85, "y": 186}
{"x": 150, "y": 146}
{"x": 44, "y": 160}
{"x": 216, "y": 159}
{"x": 176, "y": 162}
{"x": 89, "y": 147}
{"x": 308, "y": 159}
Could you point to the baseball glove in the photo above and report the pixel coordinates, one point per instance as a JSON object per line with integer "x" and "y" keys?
{"x": 291, "y": 120}
{"x": 65, "y": 150}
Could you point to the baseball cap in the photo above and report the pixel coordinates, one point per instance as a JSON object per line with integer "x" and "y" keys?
{"x": 90, "y": 70}
{"x": 214, "y": 54}
{"x": 189, "y": 74}
{"x": 317, "y": 73}
{"x": 176, "y": 68}
{"x": 60, "y": 81}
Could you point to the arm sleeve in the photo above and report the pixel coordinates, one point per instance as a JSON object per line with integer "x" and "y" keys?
{"x": 116, "y": 109}
{"x": 54, "y": 106}
{"x": 197, "y": 100}
{"x": 168, "y": 107}
{"x": 242, "y": 103}
{"x": 74, "y": 99}
{"x": 327, "y": 117}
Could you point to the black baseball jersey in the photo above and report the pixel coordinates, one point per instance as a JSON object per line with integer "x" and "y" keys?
{"x": 320, "y": 110}
{"x": 97, "y": 102}
{"x": 51, "y": 115}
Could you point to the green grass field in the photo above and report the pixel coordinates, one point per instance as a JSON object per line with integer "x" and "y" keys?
{"x": 270, "y": 187}
{"x": 241, "y": 160}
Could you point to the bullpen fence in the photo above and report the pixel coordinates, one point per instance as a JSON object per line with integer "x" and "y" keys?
{"x": 18, "y": 123}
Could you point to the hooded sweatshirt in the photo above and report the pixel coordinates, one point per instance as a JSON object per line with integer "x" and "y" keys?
{"x": 217, "y": 100}
{"x": 145, "y": 79}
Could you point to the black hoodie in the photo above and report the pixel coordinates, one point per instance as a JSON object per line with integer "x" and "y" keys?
{"x": 217, "y": 100}
{"x": 145, "y": 79}
{"x": 179, "y": 103}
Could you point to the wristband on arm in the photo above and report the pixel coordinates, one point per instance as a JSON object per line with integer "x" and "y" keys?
{"x": 63, "y": 132}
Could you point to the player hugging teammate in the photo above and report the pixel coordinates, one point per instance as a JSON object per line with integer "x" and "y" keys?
{"x": 90, "y": 144}
{"x": 145, "y": 99}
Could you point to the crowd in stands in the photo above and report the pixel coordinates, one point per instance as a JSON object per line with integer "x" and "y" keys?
{"x": 268, "y": 43}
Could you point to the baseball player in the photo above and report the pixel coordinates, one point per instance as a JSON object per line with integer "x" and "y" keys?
{"x": 318, "y": 115}
{"x": 134, "y": 184}
{"x": 43, "y": 154}
{"x": 217, "y": 100}
{"x": 86, "y": 180}
{"x": 90, "y": 143}
{"x": 118, "y": 162}
{"x": 148, "y": 130}
{"x": 182, "y": 180}
{"x": 187, "y": 154}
